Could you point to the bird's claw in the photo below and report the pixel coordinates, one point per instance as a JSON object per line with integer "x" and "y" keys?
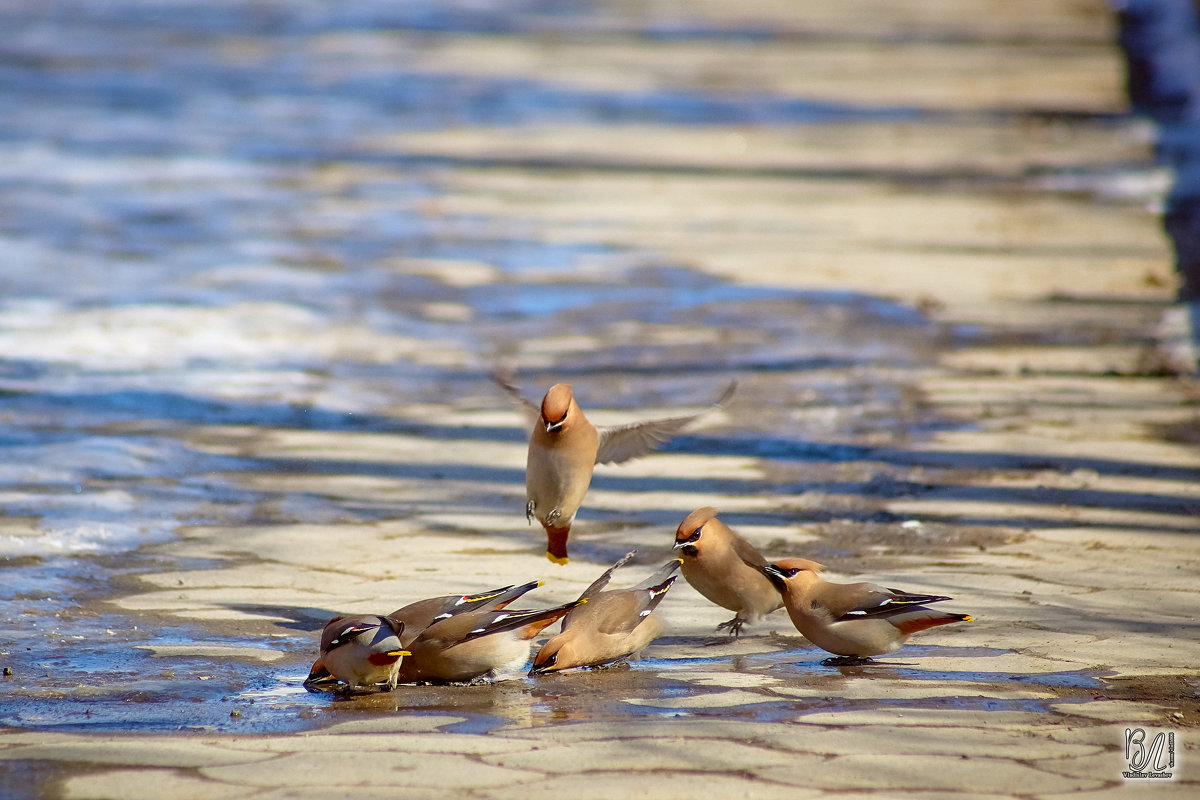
{"x": 732, "y": 627}
{"x": 530, "y": 507}
{"x": 554, "y": 515}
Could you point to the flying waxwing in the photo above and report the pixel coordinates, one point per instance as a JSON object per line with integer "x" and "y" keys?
{"x": 564, "y": 448}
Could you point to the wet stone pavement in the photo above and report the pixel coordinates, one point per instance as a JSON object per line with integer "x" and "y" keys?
{"x": 261, "y": 259}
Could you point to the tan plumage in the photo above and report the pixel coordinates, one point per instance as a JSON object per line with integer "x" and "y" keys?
{"x": 610, "y": 626}
{"x": 725, "y": 568}
{"x": 852, "y": 620}
{"x": 564, "y": 448}
{"x": 478, "y": 644}
{"x": 360, "y": 651}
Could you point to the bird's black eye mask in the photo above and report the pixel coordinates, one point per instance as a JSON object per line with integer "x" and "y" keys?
{"x": 695, "y": 537}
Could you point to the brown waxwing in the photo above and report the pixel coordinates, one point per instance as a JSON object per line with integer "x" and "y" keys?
{"x": 477, "y": 644}
{"x": 725, "y": 568}
{"x": 564, "y": 448}
{"x": 610, "y": 626}
{"x": 420, "y": 615}
{"x": 360, "y": 651}
{"x": 852, "y": 620}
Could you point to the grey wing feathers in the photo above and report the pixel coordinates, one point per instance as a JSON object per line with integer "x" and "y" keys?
{"x": 623, "y": 442}
{"x": 870, "y": 600}
{"x": 663, "y": 572}
{"x": 499, "y": 621}
{"x": 747, "y": 553}
{"x": 528, "y": 409}
{"x": 599, "y": 584}
{"x": 623, "y": 610}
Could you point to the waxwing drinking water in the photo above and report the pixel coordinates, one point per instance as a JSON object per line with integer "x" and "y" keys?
{"x": 360, "y": 651}
{"x": 725, "y": 568}
{"x": 481, "y": 644}
{"x": 852, "y": 620}
{"x": 564, "y": 448}
{"x": 416, "y": 617}
{"x": 610, "y": 626}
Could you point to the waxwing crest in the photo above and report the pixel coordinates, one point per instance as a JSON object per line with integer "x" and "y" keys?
{"x": 557, "y": 403}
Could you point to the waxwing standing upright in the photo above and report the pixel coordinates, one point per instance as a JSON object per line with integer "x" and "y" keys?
{"x": 854, "y": 621}
{"x": 481, "y": 644}
{"x": 564, "y": 448}
{"x": 360, "y": 651}
{"x": 611, "y": 626}
{"x": 725, "y": 568}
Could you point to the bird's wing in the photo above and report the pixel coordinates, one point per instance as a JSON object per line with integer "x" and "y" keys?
{"x": 528, "y": 409}
{"x": 619, "y": 612}
{"x": 623, "y": 442}
{"x": 532, "y": 621}
{"x": 657, "y": 593}
{"x": 862, "y": 600}
{"x": 494, "y": 598}
{"x": 341, "y": 630}
{"x": 748, "y": 553}
{"x": 599, "y": 584}
{"x": 660, "y": 575}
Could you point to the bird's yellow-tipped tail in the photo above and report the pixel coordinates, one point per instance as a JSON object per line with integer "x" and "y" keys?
{"x": 556, "y": 545}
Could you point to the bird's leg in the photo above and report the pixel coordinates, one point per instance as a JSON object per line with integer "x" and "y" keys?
{"x": 733, "y": 627}
{"x": 530, "y": 507}
{"x": 553, "y": 516}
{"x": 847, "y": 661}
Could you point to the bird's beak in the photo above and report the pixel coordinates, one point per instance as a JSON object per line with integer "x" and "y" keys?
{"x": 774, "y": 575}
